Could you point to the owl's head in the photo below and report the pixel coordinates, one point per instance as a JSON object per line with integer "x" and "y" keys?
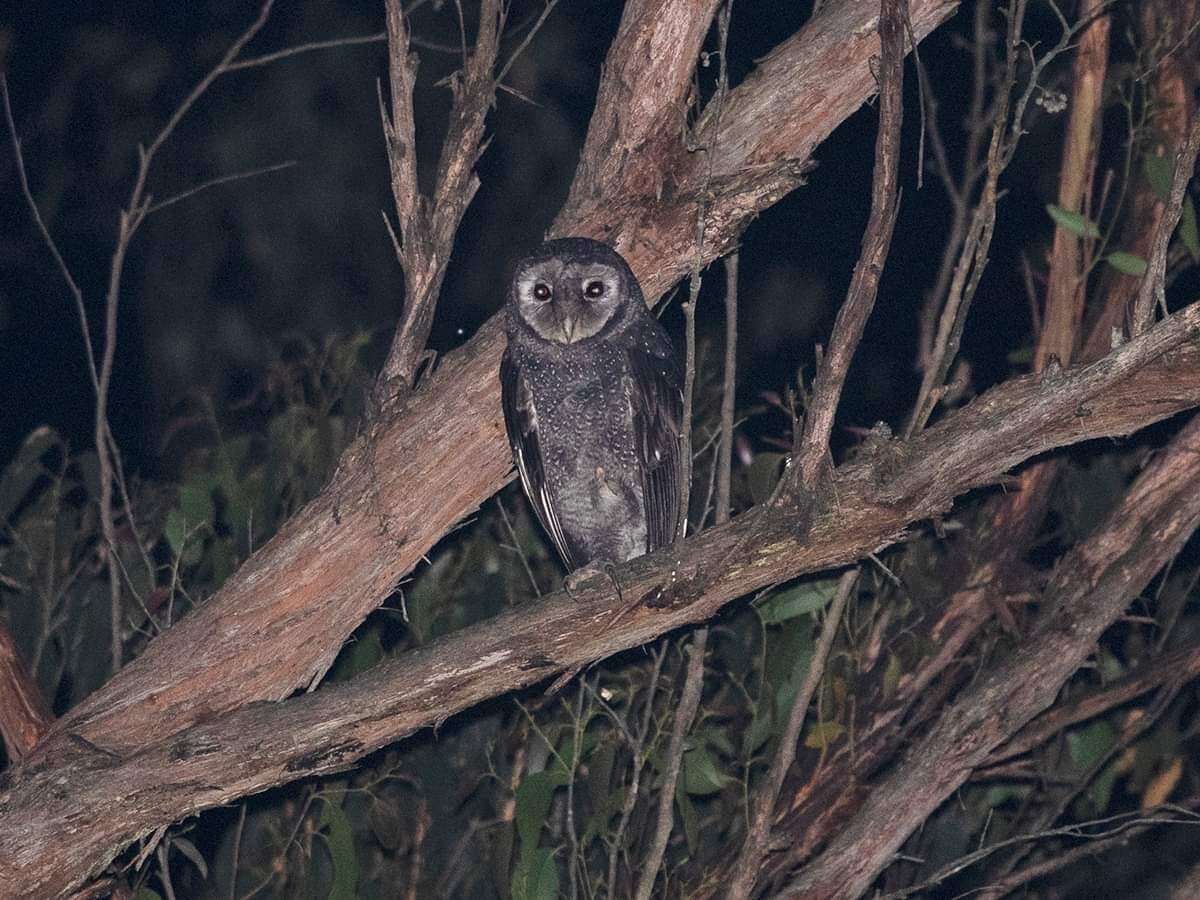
{"x": 568, "y": 290}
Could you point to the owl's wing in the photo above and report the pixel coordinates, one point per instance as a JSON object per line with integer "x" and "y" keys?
{"x": 521, "y": 423}
{"x": 657, "y": 401}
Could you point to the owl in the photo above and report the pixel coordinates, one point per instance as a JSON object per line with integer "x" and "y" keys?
{"x": 592, "y": 404}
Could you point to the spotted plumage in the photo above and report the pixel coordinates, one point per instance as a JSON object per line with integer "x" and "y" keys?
{"x": 592, "y": 403}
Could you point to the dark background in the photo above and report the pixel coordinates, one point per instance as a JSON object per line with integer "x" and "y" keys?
{"x": 217, "y": 286}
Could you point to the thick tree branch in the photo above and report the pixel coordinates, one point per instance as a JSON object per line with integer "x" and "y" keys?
{"x": 122, "y": 789}
{"x": 332, "y": 562}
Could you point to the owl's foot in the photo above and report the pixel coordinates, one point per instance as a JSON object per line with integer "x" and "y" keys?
{"x": 584, "y": 574}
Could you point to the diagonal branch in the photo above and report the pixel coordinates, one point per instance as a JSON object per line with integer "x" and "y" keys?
{"x": 864, "y": 285}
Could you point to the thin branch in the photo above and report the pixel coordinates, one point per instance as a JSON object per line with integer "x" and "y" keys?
{"x": 685, "y": 712}
{"x": 745, "y": 870}
{"x": 72, "y": 286}
{"x": 864, "y": 285}
{"x": 129, "y": 220}
{"x": 428, "y": 223}
{"x": 640, "y": 755}
{"x": 1152, "y": 293}
{"x": 213, "y": 182}
{"x": 268, "y": 58}
{"x": 1099, "y": 834}
{"x": 724, "y": 460}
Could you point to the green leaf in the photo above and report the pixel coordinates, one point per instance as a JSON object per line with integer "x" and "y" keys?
{"x": 362, "y": 652}
{"x": 760, "y": 729}
{"x": 820, "y": 734}
{"x": 1188, "y": 232}
{"x": 700, "y": 773}
{"x": 1088, "y": 744}
{"x": 798, "y": 600}
{"x": 195, "y": 500}
{"x": 1072, "y": 221}
{"x": 340, "y": 838}
{"x": 536, "y": 878}
{"x": 175, "y": 531}
{"x": 145, "y": 893}
{"x": 1101, "y": 789}
{"x": 1160, "y": 172}
{"x": 532, "y": 806}
{"x": 1001, "y": 793}
{"x": 1129, "y": 263}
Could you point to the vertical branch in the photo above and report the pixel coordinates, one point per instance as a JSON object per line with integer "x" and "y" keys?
{"x": 1152, "y": 292}
{"x": 745, "y": 870}
{"x": 689, "y": 702}
{"x": 728, "y": 390}
{"x": 1066, "y": 281}
{"x": 428, "y": 224}
{"x": 864, "y": 285}
{"x": 693, "y": 685}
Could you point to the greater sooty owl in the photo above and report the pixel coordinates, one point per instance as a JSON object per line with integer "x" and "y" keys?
{"x": 592, "y": 403}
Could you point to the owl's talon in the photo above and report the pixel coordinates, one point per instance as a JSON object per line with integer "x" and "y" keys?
{"x": 584, "y": 574}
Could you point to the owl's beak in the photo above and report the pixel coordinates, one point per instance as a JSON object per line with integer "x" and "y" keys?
{"x": 569, "y": 324}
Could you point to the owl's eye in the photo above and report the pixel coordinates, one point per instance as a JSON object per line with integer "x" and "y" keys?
{"x": 541, "y": 291}
{"x": 593, "y": 290}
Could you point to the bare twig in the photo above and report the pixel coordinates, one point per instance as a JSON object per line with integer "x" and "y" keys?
{"x": 728, "y": 391}
{"x": 639, "y": 753}
{"x": 745, "y": 870}
{"x": 1152, "y": 293}
{"x": 685, "y": 712}
{"x": 1098, "y": 835}
{"x": 221, "y": 179}
{"x": 1007, "y": 129}
{"x": 427, "y": 224}
{"x": 268, "y": 58}
{"x": 864, "y": 284}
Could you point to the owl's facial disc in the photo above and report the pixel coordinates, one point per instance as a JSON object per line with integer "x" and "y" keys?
{"x": 568, "y": 302}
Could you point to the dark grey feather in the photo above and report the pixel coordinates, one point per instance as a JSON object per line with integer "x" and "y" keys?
{"x": 592, "y": 404}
